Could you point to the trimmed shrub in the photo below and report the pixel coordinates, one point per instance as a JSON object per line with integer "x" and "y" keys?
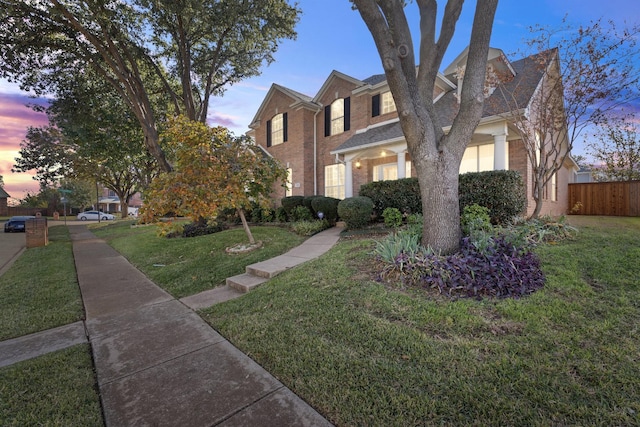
{"x": 300, "y": 213}
{"x": 289, "y": 203}
{"x": 355, "y": 211}
{"x": 308, "y": 203}
{"x": 502, "y": 192}
{"x": 328, "y": 206}
{"x": 402, "y": 194}
{"x": 392, "y": 217}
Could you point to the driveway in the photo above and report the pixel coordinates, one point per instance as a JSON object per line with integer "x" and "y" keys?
{"x": 11, "y": 246}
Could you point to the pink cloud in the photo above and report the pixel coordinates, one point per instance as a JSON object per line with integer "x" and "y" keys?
{"x": 15, "y": 118}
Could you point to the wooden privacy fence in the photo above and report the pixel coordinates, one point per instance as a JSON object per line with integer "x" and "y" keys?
{"x": 620, "y": 198}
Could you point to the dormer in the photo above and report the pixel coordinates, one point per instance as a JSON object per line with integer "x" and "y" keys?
{"x": 499, "y": 70}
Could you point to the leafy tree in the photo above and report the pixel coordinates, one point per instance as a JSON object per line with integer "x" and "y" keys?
{"x": 104, "y": 136}
{"x": 214, "y": 170}
{"x": 79, "y": 193}
{"x": 617, "y": 149}
{"x": 206, "y": 44}
{"x": 436, "y": 155}
{"x": 44, "y": 152}
{"x": 590, "y": 73}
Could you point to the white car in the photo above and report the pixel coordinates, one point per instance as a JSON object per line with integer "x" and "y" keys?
{"x": 93, "y": 215}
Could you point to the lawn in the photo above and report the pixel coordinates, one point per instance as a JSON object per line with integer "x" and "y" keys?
{"x": 363, "y": 353}
{"x": 40, "y": 291}
{"x": 186, "y": 266}
{"x": 57, "y": 389}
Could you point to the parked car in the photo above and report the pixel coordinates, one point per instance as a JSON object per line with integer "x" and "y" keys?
{"x": 93, "y": 215}
{"x": 16, "y": 224}
{"x": 133, "y": 212}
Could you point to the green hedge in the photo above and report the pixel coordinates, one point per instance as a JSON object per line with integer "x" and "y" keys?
{"x": 355, "y": 211}
{"x": 402, "y": 194}
{"x": 328, "y": 206}
{"x": 289, "y": 203}
{"x": 502, "y": 192}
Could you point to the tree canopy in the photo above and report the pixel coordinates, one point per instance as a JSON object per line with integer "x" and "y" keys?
{"x": 195, "y": 48}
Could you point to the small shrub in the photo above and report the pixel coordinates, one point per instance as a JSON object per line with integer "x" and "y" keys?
{"x": 308, "y": 203}
{"x": 289, "y": 203}
{"x": 543, "y": 229}
{"x": 300, "y": 213}
{"x": 281, "y": 214}
{"x": 392, "y": 217}
{"x": 355, "y": 211}
{"x": 309, "y": 228}
{"x": 475, "y": 217}
{"x": 328, "y": 206}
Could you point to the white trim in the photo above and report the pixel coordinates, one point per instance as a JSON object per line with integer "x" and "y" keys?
{"x": 377, "y": 125}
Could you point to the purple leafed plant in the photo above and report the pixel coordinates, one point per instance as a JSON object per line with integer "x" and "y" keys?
{"x": 500, "y": 270}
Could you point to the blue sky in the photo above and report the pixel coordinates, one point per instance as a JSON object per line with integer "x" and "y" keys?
{"x": 330, "y": 36}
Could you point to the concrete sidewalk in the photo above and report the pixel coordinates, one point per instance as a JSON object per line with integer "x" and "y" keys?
{"x": 160, "y": 364}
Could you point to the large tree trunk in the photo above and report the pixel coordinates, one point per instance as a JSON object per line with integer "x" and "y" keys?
{"x": 438, "y": 180}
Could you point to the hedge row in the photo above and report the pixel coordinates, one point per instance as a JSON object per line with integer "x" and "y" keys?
{"x": 502, "y": 192}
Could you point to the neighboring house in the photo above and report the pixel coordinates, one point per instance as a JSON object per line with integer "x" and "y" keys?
{"x": 4, "y": 208}
{"x": 110, "y": 202}
{"x": 348, "y": 134}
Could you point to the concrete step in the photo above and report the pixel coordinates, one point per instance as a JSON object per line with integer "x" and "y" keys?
{"x": 245, "y": 282}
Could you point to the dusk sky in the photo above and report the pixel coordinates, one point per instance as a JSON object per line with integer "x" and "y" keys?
{"x": 331, "y": 36}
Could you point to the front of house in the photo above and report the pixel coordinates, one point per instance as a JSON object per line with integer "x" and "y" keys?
{"x": 348, "y": 134}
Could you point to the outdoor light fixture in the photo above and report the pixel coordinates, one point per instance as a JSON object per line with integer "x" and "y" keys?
{"x": 358, "y": 165}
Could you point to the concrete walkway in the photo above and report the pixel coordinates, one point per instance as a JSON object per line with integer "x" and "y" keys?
{"x": 157, "y": 362}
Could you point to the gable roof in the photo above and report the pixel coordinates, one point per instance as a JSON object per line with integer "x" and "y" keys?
{"x": 528, "y": 75}
{"x": 4, "y": 194}
{"x": 297, "y": 98}
{"x": 335, "y": 75}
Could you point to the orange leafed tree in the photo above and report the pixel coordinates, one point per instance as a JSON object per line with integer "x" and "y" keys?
{"x": 213, "y": 170}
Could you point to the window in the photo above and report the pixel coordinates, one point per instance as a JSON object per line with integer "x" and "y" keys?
{"x": 478, "y": 158}
{"x": 334, "y": 181}
{"x": 277, "y": 130}
{"x": 538, "y": 148}
{"x": 554, "y": 187}
{"x": 389, "y": 171}
{"x": 289, "y": 186}
{"x": 336, "y": 117}
{"x": 388, "y": 104}
{"x": 382, "y": 103}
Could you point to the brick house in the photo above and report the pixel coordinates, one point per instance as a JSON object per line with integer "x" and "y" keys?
{"x": 348, "y": 134}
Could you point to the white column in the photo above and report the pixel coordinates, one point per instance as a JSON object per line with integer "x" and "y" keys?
{"x": 402, "y": 165}
{"x": 500, "y": 152}
{"x": 348, "y": 178}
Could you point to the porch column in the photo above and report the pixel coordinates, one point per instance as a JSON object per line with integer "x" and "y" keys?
{"x": 500, "y": 152}
{"x": 348, "y": 178}
{"x": 402, "y": 165}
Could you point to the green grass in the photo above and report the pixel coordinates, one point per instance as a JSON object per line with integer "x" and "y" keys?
{"x": 186, "y": 266}
{"x": 40, "y": 290}
{"x": 366, "y": 354}
{"x": 57, "y": 389}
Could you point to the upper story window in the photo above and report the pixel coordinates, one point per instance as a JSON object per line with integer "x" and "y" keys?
{"x": 388, "y": 104}
{"x": 382, "y": 103}
{"x": 277, "y": 129}
{"x": 336, "y": 116}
